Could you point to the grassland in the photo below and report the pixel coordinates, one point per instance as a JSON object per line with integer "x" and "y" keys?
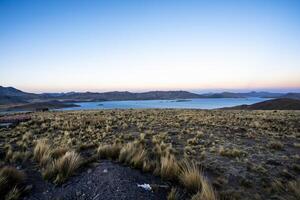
{"x": 206, "y": 154}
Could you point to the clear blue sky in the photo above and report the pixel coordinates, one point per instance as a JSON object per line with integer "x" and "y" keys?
{"x": 63, "y": 45}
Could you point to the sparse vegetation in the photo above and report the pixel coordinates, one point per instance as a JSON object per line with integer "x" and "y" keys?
{"x": 64, "y": 167}
{"x": 169, "y": 168}
{"x": 241, "y": 145}
{"x": 11, "y": 181}
{"x": 191, "y": 176}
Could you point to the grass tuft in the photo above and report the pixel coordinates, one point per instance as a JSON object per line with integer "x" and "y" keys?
{"x": 63, "y": 167}
{"x": 191, "y": 176}
{"x": 169, "y": 168}
{"x": 173, "y": 194}
{"x": 10, "y": 178}
{"x": 41, "y": 152}
{"x": 109, "y": 151}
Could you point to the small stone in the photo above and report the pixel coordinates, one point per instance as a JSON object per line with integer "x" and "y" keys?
{"x": 105, "y": 171}
{"x": 78, "y": 193}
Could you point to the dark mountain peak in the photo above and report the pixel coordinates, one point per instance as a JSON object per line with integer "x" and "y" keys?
{"x": 11, "y": 91}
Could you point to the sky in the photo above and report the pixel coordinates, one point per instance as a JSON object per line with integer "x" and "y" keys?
{"x": 141, "y": 45}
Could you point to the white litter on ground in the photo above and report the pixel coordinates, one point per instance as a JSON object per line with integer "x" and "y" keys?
{"x": 145, "y": 186}
{"x": 105, "y": 171}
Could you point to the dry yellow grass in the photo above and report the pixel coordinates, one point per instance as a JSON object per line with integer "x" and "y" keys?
{"x": 191, "y": 176}
{"x": 41, "y": 152}
{"x": 127, "y": 152}
{"x": 10, "y": 179}
{"x": 207, "y": 191}
{"x": 138, "y": 157}
{"x": 109, "y": 151}
{"x": 62, "y": 168}
{"x": 173, "y": 194}
{"x": 169, "y": 168}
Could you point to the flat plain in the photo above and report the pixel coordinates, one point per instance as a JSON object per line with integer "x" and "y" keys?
{"x": 197, "y": 154}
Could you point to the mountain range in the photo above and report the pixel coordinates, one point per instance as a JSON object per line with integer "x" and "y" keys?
{"x": 11, "y": 95}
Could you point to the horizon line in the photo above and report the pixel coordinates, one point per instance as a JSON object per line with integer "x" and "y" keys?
{"x": 194, "y": 90}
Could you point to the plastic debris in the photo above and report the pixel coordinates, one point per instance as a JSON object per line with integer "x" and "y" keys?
{"x": 145, "y": 186}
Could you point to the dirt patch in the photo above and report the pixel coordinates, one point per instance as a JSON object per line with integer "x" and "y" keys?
{"x": 107, "y": 180}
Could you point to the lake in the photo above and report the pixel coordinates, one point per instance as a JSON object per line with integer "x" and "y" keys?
{"x": 204, "y": 103}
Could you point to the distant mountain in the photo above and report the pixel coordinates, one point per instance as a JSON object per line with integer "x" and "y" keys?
{"x": 274, "y": 104}
{"x": 223, "y": 95}
{"x": 292, "y": 95}
{"x": 108, "y": 96}
{"x": 10, "y": 95}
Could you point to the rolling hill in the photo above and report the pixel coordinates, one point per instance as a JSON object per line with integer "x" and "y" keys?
{"x": 274, "y": 104}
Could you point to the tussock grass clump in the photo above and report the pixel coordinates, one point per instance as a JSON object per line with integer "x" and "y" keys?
{"x": 233, "y": 153}
{"x": 191, "y": 176}
{"x": 109, "y": 151}
{"x": 207, "y": 191}
{"x": 205, "y": 194}
{"x": 56, "y": 164}
{"x": 193, "y": 141}
{"x": 169, "y": 167}
{"x": 10, "y": 180}
{"x": 58, "y": 152}
{"x": 173, "y": 194}
{"x": 127, "y": 152}
{"x": 9, "y": 152}
{"x": 134, "y": 154}
{"x": 41, "y": 152}
{"x": 63, "y": 167}
{"x": 20, "y": 156}
{"x": 137, "y": 160}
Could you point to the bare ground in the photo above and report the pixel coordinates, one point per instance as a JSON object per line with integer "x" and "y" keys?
{"x": 106, "y": 180}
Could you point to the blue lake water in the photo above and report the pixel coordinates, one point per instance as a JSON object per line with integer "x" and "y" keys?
{"x": 209, "y": 103}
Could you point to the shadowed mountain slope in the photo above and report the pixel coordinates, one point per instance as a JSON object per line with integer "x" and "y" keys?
{"x": 274, "y": 104}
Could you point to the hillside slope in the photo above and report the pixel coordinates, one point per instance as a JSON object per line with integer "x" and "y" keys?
{"x": 10, "y": 95}
{"x": 274, "y": 104}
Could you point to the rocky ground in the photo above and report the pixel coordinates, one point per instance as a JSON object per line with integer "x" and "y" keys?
{"x": 105, "y": 180}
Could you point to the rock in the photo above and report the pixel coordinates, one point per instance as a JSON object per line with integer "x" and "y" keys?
{"x": 78, "y": 193}
{"x": 273, "y": 162}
